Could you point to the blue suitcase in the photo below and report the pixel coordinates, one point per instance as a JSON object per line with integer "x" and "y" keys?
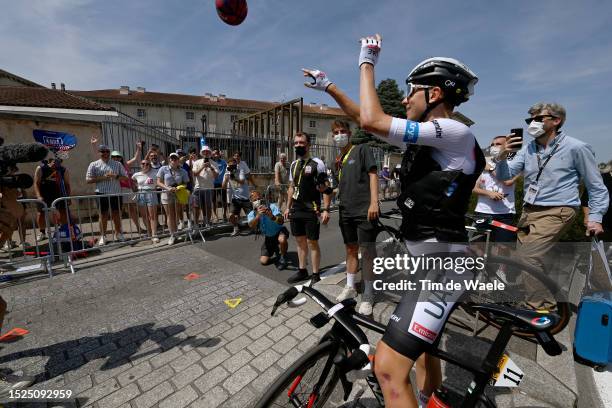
{"x": 593, "y": 334}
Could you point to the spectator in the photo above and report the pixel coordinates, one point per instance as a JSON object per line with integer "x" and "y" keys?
{"x": 496, "y": 197}
{"x": 308, "y": 178}
{"x": 243, "y": 167}
{"x": 205, "y": 171}
{"x": 269, "y": 221}
{"x": 147, "y": 198}
{"x": 153, "y": 157}
{"x": 106, "y": 175}
{"x": 221, "y": 193}
{"x": 358, "y": 210}
{"x": 185, "y": 209}
{"x": 385, "y": 178}
{"x": 162, "y": 158}
{"x": 47, "y": 188}
{"x": 235, "y": 180}
{"x": 128, "y": 187}
{"x": 553, "y": 164}
{"x": 169, "y": 178}
{"x": 281, "y": 179}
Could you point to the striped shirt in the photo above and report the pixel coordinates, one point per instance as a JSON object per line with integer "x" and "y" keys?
{"x": 99, "y": 168}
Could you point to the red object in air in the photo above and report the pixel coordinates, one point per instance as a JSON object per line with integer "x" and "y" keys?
{"x": 232, "y": 12}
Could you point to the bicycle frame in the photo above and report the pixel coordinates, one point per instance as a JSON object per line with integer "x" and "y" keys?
{"x": 346, "y": 331}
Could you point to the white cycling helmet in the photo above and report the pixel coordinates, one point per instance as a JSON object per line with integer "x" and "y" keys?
{"x": 453, "y": 76}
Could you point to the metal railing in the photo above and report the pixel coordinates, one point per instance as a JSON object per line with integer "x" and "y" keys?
{"x": 26, "y": 258}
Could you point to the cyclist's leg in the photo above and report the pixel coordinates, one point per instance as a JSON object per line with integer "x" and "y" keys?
{"x": 392, "y": 370}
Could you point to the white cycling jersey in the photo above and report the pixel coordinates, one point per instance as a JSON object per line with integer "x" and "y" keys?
{"x": 452, "y": 141}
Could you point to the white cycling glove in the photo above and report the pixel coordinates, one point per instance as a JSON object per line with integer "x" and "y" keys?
{"x": 370, "y": 48}
{"x": 320, "y": 80}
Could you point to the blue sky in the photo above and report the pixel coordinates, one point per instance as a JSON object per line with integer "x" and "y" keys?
{"x": 523, "y": 51}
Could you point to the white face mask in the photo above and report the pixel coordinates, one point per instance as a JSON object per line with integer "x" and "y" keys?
{"x": 341, "y": 139}
{"x": 536, "y": 129}
{"x": 494, "y": 150}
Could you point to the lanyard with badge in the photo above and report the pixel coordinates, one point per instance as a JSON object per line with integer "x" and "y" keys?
{"x": 532, "y": 190}
{"x": 296, "y": 191}
{"x": 343, "y": 162}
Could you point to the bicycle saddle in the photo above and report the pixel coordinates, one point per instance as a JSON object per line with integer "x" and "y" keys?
{"x": 533, "y": 320}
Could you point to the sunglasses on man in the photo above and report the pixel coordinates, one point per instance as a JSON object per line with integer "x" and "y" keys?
{"x": 539, "y": 118}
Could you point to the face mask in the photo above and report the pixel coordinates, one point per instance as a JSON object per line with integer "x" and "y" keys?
{"x": 494, "y": 150}
{"x": 341, "y": 139}
{"x": 300, "y": 150}
{"x": 536, "y": 129}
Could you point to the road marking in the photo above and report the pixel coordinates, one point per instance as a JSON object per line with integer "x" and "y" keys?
{"x": 602, "y": 382}
{"x": 233, "y": 302}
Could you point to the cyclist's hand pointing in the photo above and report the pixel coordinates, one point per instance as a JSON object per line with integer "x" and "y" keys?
{"x": 370, "y": 48}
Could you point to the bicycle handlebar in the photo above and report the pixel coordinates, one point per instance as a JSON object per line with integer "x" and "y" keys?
{"x": 359, "y": 358}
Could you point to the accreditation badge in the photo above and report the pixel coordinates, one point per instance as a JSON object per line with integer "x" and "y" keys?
{"x": 532, "y": 192}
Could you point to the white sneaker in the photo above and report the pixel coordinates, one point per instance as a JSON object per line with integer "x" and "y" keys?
{"x": 120, "y": 237}
{"x": 189, "y": 225}
{"x": 346, "y": 293}
{"x": 171, "y": 240}
{"x": 180, "y": 225}
{"x": 365, "y": 308}
{"x": 236, "y": 232}
{"x": 155, "y": 240}
{"x": 41, "y": 236}
{"x": 102, "y": 241}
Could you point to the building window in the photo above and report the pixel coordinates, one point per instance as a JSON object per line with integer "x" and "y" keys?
{"x": 141, "y": 113}
{"x": 313, "y": 123}
{"x": 234, "y": 118}
{"x": 189, "y": 115}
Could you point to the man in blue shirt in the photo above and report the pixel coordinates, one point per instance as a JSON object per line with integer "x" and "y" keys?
{"x": 270, "y": 223}
{"x": 553, "y": 165}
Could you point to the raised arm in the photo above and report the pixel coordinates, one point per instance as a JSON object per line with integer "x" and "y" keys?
{"x": 322, "y": 83}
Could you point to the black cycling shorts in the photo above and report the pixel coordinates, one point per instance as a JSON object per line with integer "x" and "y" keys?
{"x": 357, "y": 230}
{"x": 418, "y": 321}
{"x": 305, "y": 223}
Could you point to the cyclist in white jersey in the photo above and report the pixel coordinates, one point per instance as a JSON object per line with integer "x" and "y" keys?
{"x": 441, "y": 165}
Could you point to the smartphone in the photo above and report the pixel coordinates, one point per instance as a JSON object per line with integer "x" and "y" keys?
{"x": 518, "y": 132}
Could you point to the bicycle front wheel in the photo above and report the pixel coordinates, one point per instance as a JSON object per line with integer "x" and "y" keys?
{"x": 297, "y": 387}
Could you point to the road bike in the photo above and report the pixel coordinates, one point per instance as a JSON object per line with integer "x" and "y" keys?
{"x": 526, "y": 286}
{"x": 343, "y": 354}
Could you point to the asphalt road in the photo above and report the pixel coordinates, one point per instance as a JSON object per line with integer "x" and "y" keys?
{"x": 245, "y": 249}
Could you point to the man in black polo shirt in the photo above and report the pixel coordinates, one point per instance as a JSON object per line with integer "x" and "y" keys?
{"x": 308, "y": 179}
{"x": 358, "y": 196}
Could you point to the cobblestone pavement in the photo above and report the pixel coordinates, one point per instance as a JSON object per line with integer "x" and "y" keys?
{"x": 134, "y": 333}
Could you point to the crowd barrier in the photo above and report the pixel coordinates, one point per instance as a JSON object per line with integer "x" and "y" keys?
{"x": 72, "y": 225}
{"x": 29, "y": 254}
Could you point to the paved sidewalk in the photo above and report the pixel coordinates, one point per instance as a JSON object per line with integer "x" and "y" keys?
{"x": 135, "y": 333}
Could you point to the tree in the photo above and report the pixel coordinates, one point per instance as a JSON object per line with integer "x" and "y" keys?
{"x": 390, "y": 97}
